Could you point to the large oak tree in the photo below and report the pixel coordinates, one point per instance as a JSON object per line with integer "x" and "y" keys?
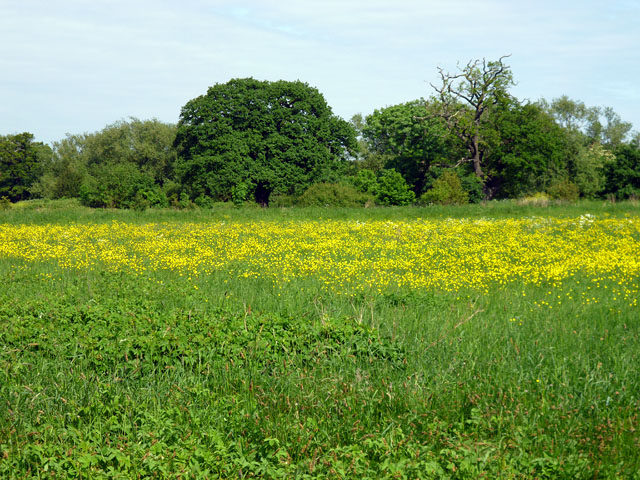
{"x": 267, "y": 137}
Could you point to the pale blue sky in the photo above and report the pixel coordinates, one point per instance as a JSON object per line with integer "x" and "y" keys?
{"x": 74, "y": 66}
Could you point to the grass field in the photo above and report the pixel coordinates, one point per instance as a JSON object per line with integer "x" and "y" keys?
{"x": 487, "y": 341}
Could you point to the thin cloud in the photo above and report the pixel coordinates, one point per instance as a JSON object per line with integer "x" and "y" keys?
{"x": 78, "y": 65}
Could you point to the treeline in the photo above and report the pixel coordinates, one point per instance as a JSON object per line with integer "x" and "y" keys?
{"x": 279, "y": 143}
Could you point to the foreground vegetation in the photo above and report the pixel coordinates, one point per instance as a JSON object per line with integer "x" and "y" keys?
{"x": 495, "y": 341}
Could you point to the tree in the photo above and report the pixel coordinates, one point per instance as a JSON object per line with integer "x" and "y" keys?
{"x": 589, "y": 124}
{"x": 125, "y": 164}
{"x": 464, "y": 99}
{"x": 408, "y": 143}
{"x": 589, "y": 169}
{"x": 147, "y": 144}
{"x": 623, "y": 175}
{"x": 20, "y": 161}
{"x": 527, "y": 152}
{"x": 277, "y": 137}
{"x": 65, "y": 171}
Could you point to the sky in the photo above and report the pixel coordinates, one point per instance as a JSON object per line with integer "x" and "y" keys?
{"x": 76, "y": 66}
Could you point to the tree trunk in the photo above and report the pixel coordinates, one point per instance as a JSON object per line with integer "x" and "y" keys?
{"x": 477, "y": 161}
{"x": 261, "y": 194}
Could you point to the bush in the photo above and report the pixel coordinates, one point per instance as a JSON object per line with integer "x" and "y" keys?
{"x": 117, "y": 186}
{"x": 446, "y": 190}
{"x": 239, "y": 193}
{"x": 204, "y": 201}
{"x": 392, "y": 189}
{"x": 5, "y": 203}
{"x": 564, "y": 190}
{"x": 365, "y": 181}
{"x": 91, "y": 195}
{"x": 153, "y": 197}
{"x": 539, "y": 199}
{"x": 474, "y": 187}
{"x": 333, "y": 195}
{"x": 182, "y": 201}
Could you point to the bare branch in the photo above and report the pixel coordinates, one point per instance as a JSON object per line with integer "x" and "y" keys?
{"x": 479, "y": 84}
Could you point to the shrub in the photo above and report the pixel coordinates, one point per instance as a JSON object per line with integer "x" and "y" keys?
{"x": 204, "y": 201}
{"x": 564, "y": 190}
{"x": 365, "y": 181}
{"x": 446, "y": 190}
{"x": 392, "y": 189}
{"x": 91, "y": 195}
{"x": 539, "y": 199}
{"x": 474, "y": 187}
{"x": 152, "y": 197}
{"x": 333, "y": 195}
{"x": 117, "y": 186}
{"x": 239, "y": 193}
{"x": 5, "y": 203}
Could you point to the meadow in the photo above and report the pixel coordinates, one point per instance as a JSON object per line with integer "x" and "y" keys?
{"x": 484, "y": 341}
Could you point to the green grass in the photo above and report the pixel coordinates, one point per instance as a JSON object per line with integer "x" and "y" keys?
{"x": 106, "y": 375}
{"x": 61, "y": 211}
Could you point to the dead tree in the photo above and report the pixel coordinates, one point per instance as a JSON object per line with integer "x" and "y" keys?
{"x": 463, "y": 100}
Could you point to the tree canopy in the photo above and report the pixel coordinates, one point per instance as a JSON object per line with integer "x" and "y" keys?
{"x": 20, "y": 162}
{"x": 255, "y": 140}
{"x": 272, "y": 137}
{"x": 527, "y": 151}
{"x": 407, "y": 142}
{"x": 123, "y": 165}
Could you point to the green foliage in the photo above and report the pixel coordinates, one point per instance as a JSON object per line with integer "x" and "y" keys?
{"x": 446, "y": 190}
{"x": 146, "y": 144}
{"x": 589, "y": 169}
{"x": 5, "y": 203}
{"x": 388, "y": 187}
{"x": 392, "y": 189}
{"x": 65, "y": 171}
{"x": 589, "y": 124}
{"x": 183, "y": 202}
{"x": 334, "y": 195}
{"x": 529, "y": 153}
{"x": 125, "y": 165}
{"x": 474, "y": 187}
{"x": 564, "y": 190}
{"x": 203, "y": 201}
{"x": 279, "y": 136}
{"x": 466, "y": 99}
{"x": 623, "y": 175}
{"x": 365, "y": 181}
{"x": 150, "y": 197}
{"x": 20, "y": 162}
{"x": 240, "y": 193}
{"x": 405, "y": 140}
{"x": 121, "y": 185}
